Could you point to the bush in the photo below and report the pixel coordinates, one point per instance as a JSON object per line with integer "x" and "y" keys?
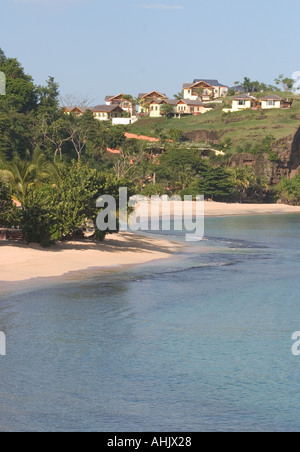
{"x": 9, "y": 213}
{"x": 154, "y": 190}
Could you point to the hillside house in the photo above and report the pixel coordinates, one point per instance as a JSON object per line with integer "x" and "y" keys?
{"x": 220, "y": 90}
{"x": 181, "y": 107}
{"x": 121, "y": 102}
{"x": 145, "y": 100}
{"x": 107, "y": 112}
{"x": 206, "y": 90}
{"x": 242, "y": 102}
{"x": 77, "y": 111}
{"x": 190, "y": 107}
{"x": 273, "y": 101}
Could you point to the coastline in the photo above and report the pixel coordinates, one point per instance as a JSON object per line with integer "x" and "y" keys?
{"x": 20, "y": 262}
{"x": 220, "y": 209}
{"x": 25, "y": 263}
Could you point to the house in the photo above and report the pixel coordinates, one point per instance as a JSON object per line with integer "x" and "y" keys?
{"x": 181, "y": 107}
{"x": 119, "y": 100}
{"x": 145, "y": 99}
{"x": 205, "y": 89}
{"x": 221, "y": 90}
{"x": 190, "y": 107}
{"x": 242, "y": 102}
{"x": 273, "y": 101}
{"x": 154, "y": 108}
{"x": 107, "y": 112}
{"x": 77, "y": 111}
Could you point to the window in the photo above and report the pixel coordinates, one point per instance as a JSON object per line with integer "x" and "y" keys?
{"x": 242, "y": 103}
{"x": 271, "y": 103}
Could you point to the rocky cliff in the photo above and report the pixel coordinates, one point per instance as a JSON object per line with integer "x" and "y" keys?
{"x": 288, "y": 164}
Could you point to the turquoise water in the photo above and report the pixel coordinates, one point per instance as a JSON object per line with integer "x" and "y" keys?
{"x": 201, "y": 342}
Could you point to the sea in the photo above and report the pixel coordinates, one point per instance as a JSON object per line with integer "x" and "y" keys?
{"x": 199, "y": 342}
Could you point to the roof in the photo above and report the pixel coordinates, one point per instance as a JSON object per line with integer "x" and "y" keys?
{"x": 141, "y": 137}
{"x": 272, "y": 97}
{"x": 196, "y": 103}
{"x": 106, "y": 108}
{"x": 172, "y": 101}
{"x": 118, "y": 96}
{"x": 210, "y": 82}
{"x": 141, "y": 95}
{"x": 244, "y": 97}
{"x": 159, "y": 101}
{"x": 82, "y": 109}
{"x": 193, "y": 85}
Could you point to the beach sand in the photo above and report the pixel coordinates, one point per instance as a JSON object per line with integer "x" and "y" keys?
{"x": 219, "y": 209}
{"x": 20, "y": 262}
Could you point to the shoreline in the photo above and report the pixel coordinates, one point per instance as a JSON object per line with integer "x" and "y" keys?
{"x": 21, "y": 263}
{"x": 24, "y": 263}
{"x": 219, "y": 209}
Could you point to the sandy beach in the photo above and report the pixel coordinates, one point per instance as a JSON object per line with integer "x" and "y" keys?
{"x": 219, "y": 209}
{"x": 20, "y": 262}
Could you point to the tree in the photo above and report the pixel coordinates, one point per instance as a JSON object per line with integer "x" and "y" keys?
{"x": 133, "y": 102}
{"x": 167, "y": 110}
{"x": 20, "y": 91}
{"x": 9, "y": 214}
{"x": 22, "y": 175}
{"x": 48, "y": 98}
{"x": 199, "y": 93}
{"x": 216, "y": 184}
{"x": 286, "y": 83}
{"x": 179, "y": 96}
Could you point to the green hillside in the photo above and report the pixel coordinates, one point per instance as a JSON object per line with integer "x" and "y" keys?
{"x": 241, "y": 127}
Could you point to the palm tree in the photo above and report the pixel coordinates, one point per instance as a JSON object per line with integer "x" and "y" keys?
{"x": 22, "y": 175}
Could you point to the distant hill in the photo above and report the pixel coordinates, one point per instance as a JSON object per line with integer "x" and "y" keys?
{"x": 242, "y": 127}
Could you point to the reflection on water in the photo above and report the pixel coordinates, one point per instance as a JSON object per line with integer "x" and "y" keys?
{"x": 200, "y": 342}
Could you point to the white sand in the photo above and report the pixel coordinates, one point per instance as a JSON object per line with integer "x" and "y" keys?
{"x": 218, "y": 209}
{"x": 23, "y": 262}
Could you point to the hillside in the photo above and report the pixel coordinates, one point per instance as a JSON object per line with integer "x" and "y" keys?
{"x": 241, "y": 127}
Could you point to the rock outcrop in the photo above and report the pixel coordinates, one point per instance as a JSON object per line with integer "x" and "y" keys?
{"x": 288, "y": 164}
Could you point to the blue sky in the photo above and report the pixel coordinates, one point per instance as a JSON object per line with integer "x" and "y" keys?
{"x": 99, "y": 47}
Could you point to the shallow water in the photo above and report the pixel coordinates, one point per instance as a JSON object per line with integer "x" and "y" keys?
{"x": 201, "y": 342}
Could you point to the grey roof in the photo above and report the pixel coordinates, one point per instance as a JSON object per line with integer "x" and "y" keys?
{"x": 172, "y": 101}
{"x": 210, "y": 82}
{"x": 196, "y": 103}
{"x": 244, "y": 97}
{"x": 188, "y": 85}
{"x": 106, "y": 108}
{"x": 238, "y": 88}
{"x": 107, "y": 98}
{"x": 272, "y": 97}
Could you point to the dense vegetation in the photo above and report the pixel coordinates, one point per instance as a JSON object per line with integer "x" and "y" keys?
{"x": 56, "y": 165}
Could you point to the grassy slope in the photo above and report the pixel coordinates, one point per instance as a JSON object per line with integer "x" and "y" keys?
{"x": 241, "y": 127}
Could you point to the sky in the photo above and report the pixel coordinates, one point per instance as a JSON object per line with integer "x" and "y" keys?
{"x": 95, "y": 48}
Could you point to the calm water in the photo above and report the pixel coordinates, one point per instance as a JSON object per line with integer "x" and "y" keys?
{"x": 201, "y": 342}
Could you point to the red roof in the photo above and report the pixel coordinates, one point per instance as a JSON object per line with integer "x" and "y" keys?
{"x": 141, "y": 137}
{"x": 113, "y": 151}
